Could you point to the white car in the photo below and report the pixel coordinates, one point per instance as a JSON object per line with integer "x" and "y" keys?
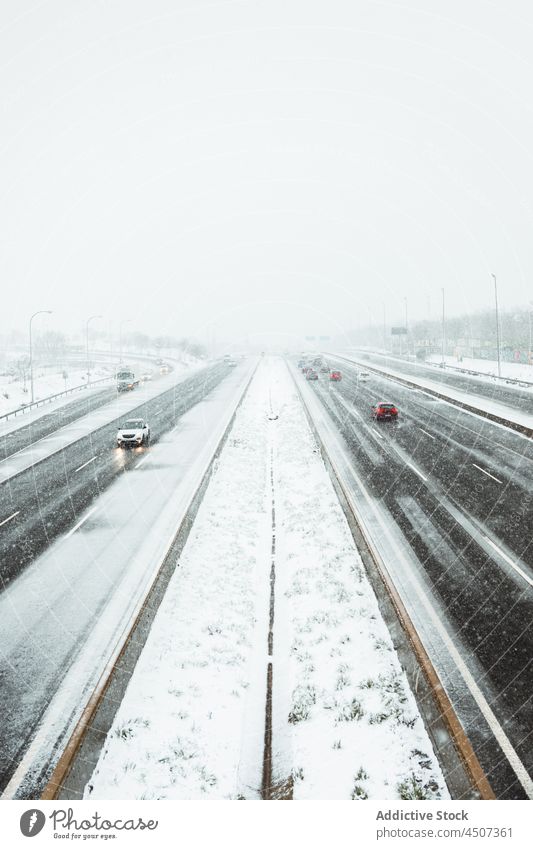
{"x": 133, "y": 433}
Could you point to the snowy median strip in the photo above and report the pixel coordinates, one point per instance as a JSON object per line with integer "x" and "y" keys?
{"x": 344, "y": 722}
{"x": 354, "y": 724}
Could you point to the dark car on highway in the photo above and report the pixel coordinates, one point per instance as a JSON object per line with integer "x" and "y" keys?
{"x": 384, "y": 411}
{"x": 311, "y": 374}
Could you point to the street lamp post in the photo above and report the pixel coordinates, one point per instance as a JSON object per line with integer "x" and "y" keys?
{"x": 529, "y": 308}
{"x": 124, "y": 321}
{"x": 87, "y": 345}
{"x": 406, "y": 328}
{"x": 497, "y": 325}
{"x": 443, "y": 330}
{"x": 39, "y": 312}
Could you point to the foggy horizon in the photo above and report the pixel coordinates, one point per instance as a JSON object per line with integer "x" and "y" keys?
{"x": 264, "y": 171}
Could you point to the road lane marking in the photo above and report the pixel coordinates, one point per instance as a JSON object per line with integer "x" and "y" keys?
{"x": 85, "y": 464}
{"x": 487, "y": 473}
{"x": 141, "y": 461}
{"x": 80, "y": 523}
{"x": 427, "y": 434}
{"x": 415, "y": 470}
{"x": 9, "y": 518}
{"x": 508, "y": 560}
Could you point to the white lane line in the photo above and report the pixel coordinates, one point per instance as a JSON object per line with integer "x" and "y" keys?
{"x": 80, "y": 523}
{"x": 420, "y": 475}
{"x": 427, "y": 434}
{"x": 142, "y": 461}
{"x": 9, "y": 518}
{"x": 487, "y": 473}
{"x": 508, "y": 560}
{"x": 85, "y": 464}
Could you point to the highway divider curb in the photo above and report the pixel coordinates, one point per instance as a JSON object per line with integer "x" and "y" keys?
{"x": 493, "y": 417}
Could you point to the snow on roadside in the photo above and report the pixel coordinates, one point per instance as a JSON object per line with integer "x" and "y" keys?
{"x": 191, "y": 725}
{"x": 508, "y": 411}
{"x": 489, "y": 368}
{"x": 355, "y": 727}
{"x": 185, "y": 729}
{"x": 12, "y": 393}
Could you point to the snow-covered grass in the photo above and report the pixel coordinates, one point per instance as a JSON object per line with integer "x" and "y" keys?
{"x": 355, "y": 726}
{"x": 46, "y": 382}
{"x": 50, "y": 380}
{"x": 345, "y": 724}
{"x": 516, "y": 371}
{"x": 182, "y": 730}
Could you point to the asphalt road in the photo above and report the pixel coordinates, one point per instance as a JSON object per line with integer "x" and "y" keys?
{"x": 47, "y": 499}
{"x": 511, "y": 394}
{"x": 23, "y": 437}
{"x": 60, "y": 619}
{"x": 456, "y": 486}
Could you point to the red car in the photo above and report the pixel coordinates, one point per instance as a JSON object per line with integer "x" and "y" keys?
{"x": 335, "y": 375}
{"x": 384, "y": 412}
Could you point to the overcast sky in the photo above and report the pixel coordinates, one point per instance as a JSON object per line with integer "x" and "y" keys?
{"x": 263, "y": 169}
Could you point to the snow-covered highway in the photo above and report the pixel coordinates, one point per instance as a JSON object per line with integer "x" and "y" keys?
{"x": 61, "y": 617}
{"x": 47, "y": 485}
{"x": 447, "y": 498}
{"x": 444, "y": 498}
{"x": 269, "y": 672}
{"x": 491, "y": 392}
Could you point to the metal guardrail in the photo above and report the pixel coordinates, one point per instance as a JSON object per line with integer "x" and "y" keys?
{"x": 524, "y": 429}
{"x": 26, "y": 407}
{"x": 516, "y": 381}
{"x": 32, "y": 405}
